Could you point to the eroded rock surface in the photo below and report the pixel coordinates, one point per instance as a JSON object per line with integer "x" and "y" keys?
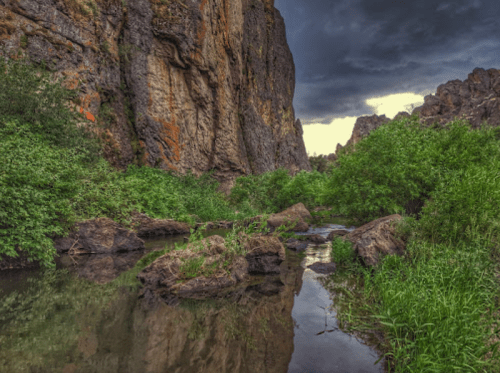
{"x": 296, "y": 213}
{"x": 376, "y": 238}
{"x": 148, "y": 227}
{"x": 156, "y": 75}
{"x": 476, "y": 99}
{"x": 99, "y": 236}
{"x": 265, "y": 254}
{"x": 166, "y": 276}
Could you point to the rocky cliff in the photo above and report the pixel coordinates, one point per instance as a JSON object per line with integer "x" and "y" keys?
{"x": 476, "y": 99}
{"x": 178, "y": 84}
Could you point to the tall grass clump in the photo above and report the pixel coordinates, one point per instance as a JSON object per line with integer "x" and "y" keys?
{"x": 437, "y": 311}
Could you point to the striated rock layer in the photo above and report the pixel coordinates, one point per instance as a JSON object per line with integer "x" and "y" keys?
{"x": 181, "y": 84}
{"x": 476, "y": 99}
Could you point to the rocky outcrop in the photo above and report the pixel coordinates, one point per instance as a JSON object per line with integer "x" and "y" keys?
{"x": 476, "y": 100}
{"x": 364, "y": 125}
{"x": 322, "y": 268}
{"x": 295, "y": 214}
{"x": 265, "y": 254}
{"x": 99, "y": 236}
{"x": 204, "y": 270}
{"x": 147, "y": 227}
{"x": 376, "y": 238}
{"x": 182, "y": 85}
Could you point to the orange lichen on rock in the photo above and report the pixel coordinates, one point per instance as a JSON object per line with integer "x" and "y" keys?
{"x": 88, "y": 115}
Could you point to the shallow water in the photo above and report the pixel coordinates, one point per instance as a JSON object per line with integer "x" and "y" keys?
{"x": 58, "y": 321}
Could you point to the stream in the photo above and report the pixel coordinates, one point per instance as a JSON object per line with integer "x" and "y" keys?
{"x": 71, "y": 320}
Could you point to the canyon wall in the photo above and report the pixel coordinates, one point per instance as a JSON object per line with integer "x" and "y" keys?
{"x": 177, "y": 84}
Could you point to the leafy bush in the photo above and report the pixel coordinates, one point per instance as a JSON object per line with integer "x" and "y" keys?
{"x": 397, "y": 167}
{"x": 27, "y": 95}
{"x": 37, "y": 183}
{"x": 465, "y": 201}
{"x": 276, "y": 190}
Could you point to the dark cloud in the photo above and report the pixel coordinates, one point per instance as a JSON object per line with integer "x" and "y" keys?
{"x": 347, "y": 51}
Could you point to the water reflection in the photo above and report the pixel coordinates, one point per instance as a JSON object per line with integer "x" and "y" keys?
{"x": 319, "y": 346}
{"x": 61, "y": 322}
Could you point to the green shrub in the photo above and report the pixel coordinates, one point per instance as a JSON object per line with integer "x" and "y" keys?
{"x": 37, "y": 183}
{"x": 397, "y": 167}
{"x": 465, "y": 201}
{"x": 45, "y": 111}
{"x": 276, "y": 190}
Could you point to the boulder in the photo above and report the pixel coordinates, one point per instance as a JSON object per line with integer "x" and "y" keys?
{"x": 147, "y": 227}
{"x": 322, "y": 268}
{"x": 315, "y": 238}
{"x": 265, "y": 254}
{"x": 165, "y": 274}
{"x": 336, "y": 233}
{"x": 376, "y": 238}
{"x": 99, "y": 236}
{"x": 296, "y": 213}
{"x": 296, "y": 245}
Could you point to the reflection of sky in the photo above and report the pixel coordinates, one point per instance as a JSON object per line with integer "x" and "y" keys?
{"x": 364, "y": 57}
{"x": 331, "y": 351}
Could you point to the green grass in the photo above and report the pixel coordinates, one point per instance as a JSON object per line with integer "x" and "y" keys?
{"x": 435, "y": 306}
{"x": 342, "y": 251}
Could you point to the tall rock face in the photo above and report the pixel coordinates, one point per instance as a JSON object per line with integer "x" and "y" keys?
{"x": 476, "y": 99}
{"x": 178, "y": 84}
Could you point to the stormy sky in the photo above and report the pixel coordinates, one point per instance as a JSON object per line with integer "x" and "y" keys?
{"x": 364, "y": 57}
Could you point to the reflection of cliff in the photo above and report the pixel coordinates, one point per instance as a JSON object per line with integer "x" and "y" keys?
{"x": 248, "y": 332}
{"x": 65, "y": 324}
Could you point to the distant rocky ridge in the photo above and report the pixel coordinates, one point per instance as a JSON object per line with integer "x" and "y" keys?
{"x": 476, "y": 99}
{"x": 181, "y": 85}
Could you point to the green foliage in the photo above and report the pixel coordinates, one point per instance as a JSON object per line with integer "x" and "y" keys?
{"x": 437, "y": 308}
{"x": 342, "y": 251}
{"x": 37, "y": 183}
{"x": 275, "y": 191}
{"x": 320, "y": 163}
{"x": 27, "y": 95}
{"x": 397, "y": 167}
{"x": 465, "y": 201}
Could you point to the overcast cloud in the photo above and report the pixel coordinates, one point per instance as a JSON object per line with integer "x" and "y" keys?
{"x": 348, "y": 53}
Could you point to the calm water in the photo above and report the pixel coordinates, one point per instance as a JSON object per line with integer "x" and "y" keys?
{"x": 74, "y": 321}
